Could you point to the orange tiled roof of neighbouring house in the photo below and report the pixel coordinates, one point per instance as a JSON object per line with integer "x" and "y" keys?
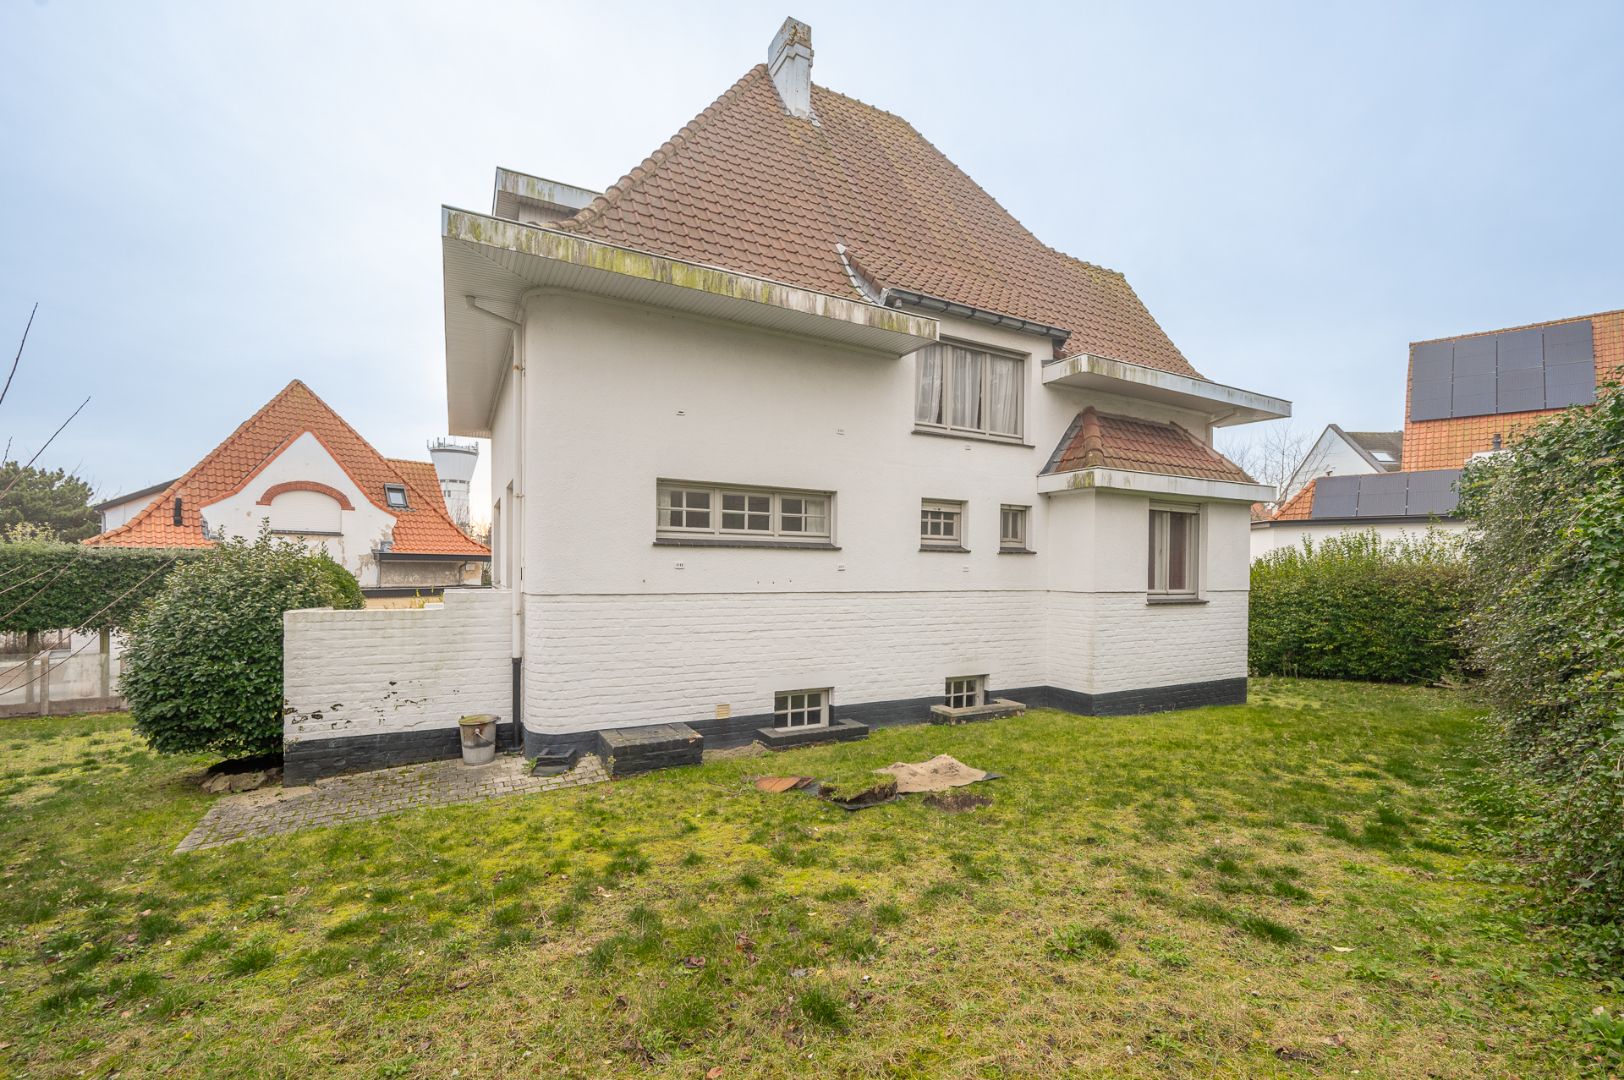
{"x": 424, "y": 529}
{"x": 856, "y": 195}
{"x": 1102, "y": 440}
{"x": 1300, "y": 507}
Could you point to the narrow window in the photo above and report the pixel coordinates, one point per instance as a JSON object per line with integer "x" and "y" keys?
{"x": 966, "y": 691}
{"x": 941, "y": 524}
{"x": 801, "y": 708}
{"x": 960, "y": 389}
{"x": 1012, "y": 528}
{"x": 395, "y": 496}
{"x": 178, "y": 518}
{"x": 741, "y": 514}
{"x": 1174, "y": 540}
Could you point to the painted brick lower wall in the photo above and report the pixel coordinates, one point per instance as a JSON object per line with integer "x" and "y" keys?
{"x": 360, "y": 686}
{"x": 621, "y": 661}
{"x": 381, "y": 687}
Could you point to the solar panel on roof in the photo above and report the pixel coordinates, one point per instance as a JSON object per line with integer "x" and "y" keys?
{"x": 1335, "y": 497}
{"x": 1386, "y": 495}
{"x": 1518, "y": 371}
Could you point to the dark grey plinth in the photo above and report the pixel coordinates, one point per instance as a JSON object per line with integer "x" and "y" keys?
{"x": 837, "y": 731}
{"x": 629, "y": 751}
{"x": 968, "y": 714}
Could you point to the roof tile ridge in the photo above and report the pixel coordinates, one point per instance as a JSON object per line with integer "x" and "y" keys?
{"x": 1093, "y": 441}
{"x": 181, "y": 481}
{"x": 662, "y": 153}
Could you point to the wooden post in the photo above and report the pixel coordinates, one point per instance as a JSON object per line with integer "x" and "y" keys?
{"x": 106, "y": 664}
{"x": 31, "y": 649}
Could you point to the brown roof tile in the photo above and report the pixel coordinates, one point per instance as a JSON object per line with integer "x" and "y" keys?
{"x": 425, "y": 529}
{"x": 747, "y": 187}
{"x": 1132, "y": 444}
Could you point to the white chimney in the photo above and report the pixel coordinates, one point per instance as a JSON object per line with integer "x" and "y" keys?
{"x": 789, "y": 61}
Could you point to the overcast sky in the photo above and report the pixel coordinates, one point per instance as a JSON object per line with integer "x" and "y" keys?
{"x": 210, "y": 199}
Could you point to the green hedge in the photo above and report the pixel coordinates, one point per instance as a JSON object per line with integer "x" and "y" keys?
{"x": 1358, "y": 607}
{"x": 1547, "y": 630}
{"x": 203, "y": 661}
{"x": 53, "y": 586}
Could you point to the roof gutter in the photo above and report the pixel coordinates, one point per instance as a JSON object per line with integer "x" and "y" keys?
{"x": 895, "y": 297}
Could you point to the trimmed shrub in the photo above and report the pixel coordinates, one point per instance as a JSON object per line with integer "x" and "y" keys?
{"x": 203, "y": 665}
{"x": 1547, "y": 628}
{"x": 1358, "y": 607}
{"x": 53, "y": 586}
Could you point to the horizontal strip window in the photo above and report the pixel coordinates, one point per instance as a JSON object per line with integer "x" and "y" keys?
{"x": 742, "y": 515}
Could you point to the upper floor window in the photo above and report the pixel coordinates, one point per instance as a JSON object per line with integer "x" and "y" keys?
{"x": 960, "y": 389}
{"x": 693, "y": 510}
{"x": 1175, "y": 537}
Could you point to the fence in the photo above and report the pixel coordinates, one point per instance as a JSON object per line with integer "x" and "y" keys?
{"x": 80, "y": 674}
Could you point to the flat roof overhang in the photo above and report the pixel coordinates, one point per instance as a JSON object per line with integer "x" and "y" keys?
{"x": 495, "y": 262}
{"x": 1225, "y": 405}
{"x": 1181, "y": 487}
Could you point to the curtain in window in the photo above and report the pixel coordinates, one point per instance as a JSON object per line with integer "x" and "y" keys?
{"x": 1004, "y": 396}
{"x": 928, "y": 402}
{"x": 964, "y": 371}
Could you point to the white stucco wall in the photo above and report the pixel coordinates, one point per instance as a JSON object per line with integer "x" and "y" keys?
{"x": 352, "y": 673}
{"x": 299, "y": 514}
{"x": 620, "y": 631}
{"x": 1289, "y": 534}
{"x": 119, "y": 513}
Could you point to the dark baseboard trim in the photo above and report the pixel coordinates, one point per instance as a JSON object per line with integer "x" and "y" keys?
{"x": 310, "y": 760}
{"x": 317, "y": 758}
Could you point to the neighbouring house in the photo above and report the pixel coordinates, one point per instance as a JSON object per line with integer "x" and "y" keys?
{"x": 1467, "y": 396}
{"x": 298, "y": 468}
{"x": 118, "y": 509}
{"x": 794, "y": 431}
{"x": 1345, "y": 453}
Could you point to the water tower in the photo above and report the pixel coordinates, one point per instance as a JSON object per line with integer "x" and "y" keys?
{"x": 454, "y": 464}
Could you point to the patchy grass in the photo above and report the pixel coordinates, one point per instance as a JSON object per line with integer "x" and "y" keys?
{"x": 1302, "y": 886}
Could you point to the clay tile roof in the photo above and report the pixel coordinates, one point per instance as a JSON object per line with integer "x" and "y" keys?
{"x": 425, "y": 529}
{"x": 748, "y": 187}
{"x": 1101, "y": 440}
{"x": 1300, "y": 506}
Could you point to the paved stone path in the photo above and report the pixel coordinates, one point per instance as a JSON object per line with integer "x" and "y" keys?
{"x": 271, "y": 811}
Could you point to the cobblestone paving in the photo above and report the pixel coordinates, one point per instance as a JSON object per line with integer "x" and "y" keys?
{"x": 338, "y": 799}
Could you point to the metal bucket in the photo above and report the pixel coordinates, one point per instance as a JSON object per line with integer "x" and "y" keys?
{"x": 478, "y": 739}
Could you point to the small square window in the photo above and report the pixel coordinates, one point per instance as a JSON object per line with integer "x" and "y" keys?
{"x": 1012, "y": 528}
{"x": 941, "y": 524}
{"x": 801, "y": 708}
{"x": 966, "y": 691}
{"x": 395, "y": 496}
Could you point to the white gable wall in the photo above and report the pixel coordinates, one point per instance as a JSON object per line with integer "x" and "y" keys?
{"x": 1331, "y": 455}
{"x": 620, "y": 631}
{"x": 349, "y": 536}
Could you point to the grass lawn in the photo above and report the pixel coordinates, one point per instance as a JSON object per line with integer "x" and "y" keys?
{"x": 1298, "y": 887}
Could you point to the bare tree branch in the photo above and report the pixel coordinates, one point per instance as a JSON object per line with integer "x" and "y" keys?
{"x": 18, "y": 359}
{"x": 41, "y": 450}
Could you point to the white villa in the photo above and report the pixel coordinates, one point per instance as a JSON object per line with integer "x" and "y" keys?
{"x": 795, "y": 431}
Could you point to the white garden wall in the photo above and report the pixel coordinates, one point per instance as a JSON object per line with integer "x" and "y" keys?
{"x": 379, "y": 671}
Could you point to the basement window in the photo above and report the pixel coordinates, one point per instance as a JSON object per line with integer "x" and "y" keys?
{"x": 966, "y": 691}
{"x": 395, "y": 496}
{"x": 801, "y": 709}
